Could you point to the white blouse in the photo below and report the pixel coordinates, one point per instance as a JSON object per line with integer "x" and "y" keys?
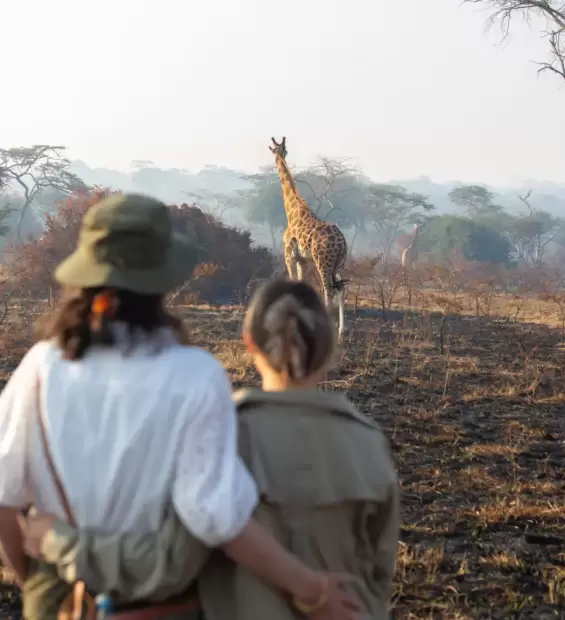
{"x": 128, "y": 434}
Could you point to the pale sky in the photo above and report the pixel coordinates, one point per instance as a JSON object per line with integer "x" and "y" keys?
{"x": 406, "y": 89}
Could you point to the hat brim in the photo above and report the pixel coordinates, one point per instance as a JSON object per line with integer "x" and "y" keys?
{"x": 82, "y": 271}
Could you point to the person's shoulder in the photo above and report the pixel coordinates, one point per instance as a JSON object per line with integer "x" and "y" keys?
{"x": 33, "y": 364}
{"x": 196, "y": 361}
{"x": 202, "y": 382}
{"x": 339, "y": 403}
{"x": 195, "y": 355}
{"x": 41, "y": 353}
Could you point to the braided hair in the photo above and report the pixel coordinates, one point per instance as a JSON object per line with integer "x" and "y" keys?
{"x": 291, "y": 327}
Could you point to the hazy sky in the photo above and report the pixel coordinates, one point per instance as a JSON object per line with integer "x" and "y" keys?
{"x": 405, "y": 88}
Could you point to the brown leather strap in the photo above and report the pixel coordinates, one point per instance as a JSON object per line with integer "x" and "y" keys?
{"x": 51, "y": 464}
{"x": 73, "y": 604}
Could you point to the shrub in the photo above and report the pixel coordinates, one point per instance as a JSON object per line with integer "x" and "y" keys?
{"x": 35, "y": 260}
{"x": 229, "y": 261}
{"x": 227, "y": 251}
{"x": 477, "y": 242}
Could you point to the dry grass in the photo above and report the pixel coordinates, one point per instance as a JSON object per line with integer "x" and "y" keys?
{"x": 478, "y": 435}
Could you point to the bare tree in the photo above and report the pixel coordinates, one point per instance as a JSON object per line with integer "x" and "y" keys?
{"x": 551, "y": 11}
{"x": 35, "y": 169}
{"x": 389, "y": 209}
{"x": 532, "y": 233}
{"x": 216, "y": 204}
{"x": 328, "y": 180}
{"x": 331, "y": 188}
{"x": 3, "y": 179}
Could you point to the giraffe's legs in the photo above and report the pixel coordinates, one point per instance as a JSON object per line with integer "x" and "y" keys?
{"x": 296, "y": 263}
{"x": 341, "y": 319}
{"x": 290, "y": 255}
{"x": 329, "y": 293}
{"x": 328, "y": 273}
{"x": 300, "y": 268}
{"x": 328, "y": 296}
{"x": 327, "y": 284}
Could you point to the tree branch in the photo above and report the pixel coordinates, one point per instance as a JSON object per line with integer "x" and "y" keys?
{"x": 504, "y": 12}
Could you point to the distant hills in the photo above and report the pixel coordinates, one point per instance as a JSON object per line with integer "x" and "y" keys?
{"x": 170, "y": 185}
{"x": 176, "y": 185}
{"x": 211, "y": 188}
{"x": 545, "y": 195}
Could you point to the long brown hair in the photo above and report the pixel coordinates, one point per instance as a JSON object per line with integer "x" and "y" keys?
{"x": 77, "y": 323}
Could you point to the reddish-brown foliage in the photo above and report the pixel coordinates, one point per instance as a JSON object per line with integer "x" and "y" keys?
{"x": 35, "y": 260}
{"x": 229, "y": 262}
{"x": 237, "y": 264}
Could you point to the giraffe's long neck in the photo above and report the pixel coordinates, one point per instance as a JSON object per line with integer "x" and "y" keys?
{"x": 287, "y": 180}
{"x": 292, "y": 198}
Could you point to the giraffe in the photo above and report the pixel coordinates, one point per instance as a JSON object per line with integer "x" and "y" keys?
{"x": 410, "y": 253}
{"x": 309, "y": 236}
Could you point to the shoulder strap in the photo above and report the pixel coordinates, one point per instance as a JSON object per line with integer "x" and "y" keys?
{"x": 73, "y": 604}
{"x": 60, "y": 490}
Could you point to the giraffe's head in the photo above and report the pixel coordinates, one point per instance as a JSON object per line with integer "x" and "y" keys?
{"x": 279, "y": 148}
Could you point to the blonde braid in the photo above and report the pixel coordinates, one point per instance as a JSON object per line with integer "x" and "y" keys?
{"x": 285, "y": 345}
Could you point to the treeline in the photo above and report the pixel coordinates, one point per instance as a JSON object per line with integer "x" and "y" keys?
{"x": 375, "y": 217}
{"x": 479, "y": 227}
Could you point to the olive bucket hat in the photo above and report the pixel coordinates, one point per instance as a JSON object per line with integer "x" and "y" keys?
{"x": 126, "y": 241}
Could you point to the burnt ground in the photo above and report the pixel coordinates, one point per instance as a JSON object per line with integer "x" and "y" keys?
{"x": 479, "y": 438}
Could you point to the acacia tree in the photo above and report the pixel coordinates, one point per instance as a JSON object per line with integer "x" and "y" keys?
{"x": 552, "y": 11}
{"x": 336, "y": 192}
{"x": 533, "y": 232}
{"x": 479, "y": 206}
{"x": 445, "y": 234}
{"x": 215, "y": 203}
{"x": 6, "y": 209}
{"x": 263, "y": 203}
{"x": 389, "y": 209}
{"x": 36, "y": 169}
{"x": 33, "y": 262}
{"x": 326, "y": 184}
{"x": 3, "y": 179}
{"x": 475, "y": 199}
{"x": 331, "y": 189}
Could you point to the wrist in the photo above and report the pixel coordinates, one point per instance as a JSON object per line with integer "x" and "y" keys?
{"x": 57, "y": 541}
{"x": 311, "y": 592}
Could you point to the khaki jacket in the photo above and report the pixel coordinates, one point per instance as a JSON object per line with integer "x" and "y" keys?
{"x": 328, "y": 492}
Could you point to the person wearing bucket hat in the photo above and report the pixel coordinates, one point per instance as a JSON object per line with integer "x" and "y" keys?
{"x": 112, "y": 418}
{"x": 127, "y": 242}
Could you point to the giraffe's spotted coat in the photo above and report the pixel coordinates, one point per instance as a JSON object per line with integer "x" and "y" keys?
{"x": 307, "y": 236}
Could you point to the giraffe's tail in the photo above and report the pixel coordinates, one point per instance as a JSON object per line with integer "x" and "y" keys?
{"x": 339, "y": 283}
